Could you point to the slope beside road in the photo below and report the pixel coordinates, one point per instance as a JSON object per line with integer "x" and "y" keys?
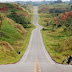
{"x": 36, "y": 51}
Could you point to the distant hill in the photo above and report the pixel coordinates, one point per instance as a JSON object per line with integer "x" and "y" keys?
{"x": 54, "y": 8}
{"x": 35, "y": 3}
{"x": 28, "y": 7}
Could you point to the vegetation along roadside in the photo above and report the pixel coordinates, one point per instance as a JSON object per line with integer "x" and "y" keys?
{"x": 15, "y": 30}
{"x": 56, "y": 20}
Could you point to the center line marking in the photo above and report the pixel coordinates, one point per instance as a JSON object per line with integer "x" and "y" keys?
{"x": 37, "y": 67}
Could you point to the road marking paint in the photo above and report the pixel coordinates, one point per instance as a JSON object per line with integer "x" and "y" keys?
{"x": 37, "y": 67}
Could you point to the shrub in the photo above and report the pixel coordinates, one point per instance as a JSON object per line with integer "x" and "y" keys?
{"x": 54, "y": 25}
{"x": 18, "y": 18}
{"x": 9, "y": 5}
{"x": 59, "y": 25}
{"x": 0, "y": 21}
{"x": 2, "y": 34}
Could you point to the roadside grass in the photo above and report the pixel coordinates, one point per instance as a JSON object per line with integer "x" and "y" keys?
{"x": 12, "y": 42}
{"x": 10, "y": 33}
{"x": 13, "y": 37}
{"x": 46, "y": 19}
{"x": 20, "y": 45}
{"x": 54, "y": 43}
{"x": 8, "y": 57}
{"x": 57, "y": 41}
{"x": 41, "y": 22}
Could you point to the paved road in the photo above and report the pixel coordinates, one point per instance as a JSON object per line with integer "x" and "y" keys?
{"x": 36, "y": 51}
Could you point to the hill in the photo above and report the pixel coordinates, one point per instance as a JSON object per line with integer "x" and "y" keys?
{"x": 15, "y": 30}
{"x": 57, "y": 33}
{"x": 37, "y": 3}
{"x": 28, "y": 7}
{"x": 54, "y": 8}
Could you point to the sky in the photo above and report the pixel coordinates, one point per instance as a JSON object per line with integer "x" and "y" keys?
{"x": 26, "y": 0}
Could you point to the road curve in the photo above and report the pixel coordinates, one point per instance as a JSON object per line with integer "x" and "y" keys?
{"x": 36, "y": 51}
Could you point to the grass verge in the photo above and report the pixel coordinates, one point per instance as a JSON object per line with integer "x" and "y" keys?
{"x": 57, "y": 42}
{"x": 8, "y": 53}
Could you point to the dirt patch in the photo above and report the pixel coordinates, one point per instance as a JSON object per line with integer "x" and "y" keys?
{"x": 20, "y": 28}
{"x": 6, "y": 45}
{"x": 4, "y": 9}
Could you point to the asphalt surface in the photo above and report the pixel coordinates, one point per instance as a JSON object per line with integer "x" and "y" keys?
{"x": 36, "y": 51}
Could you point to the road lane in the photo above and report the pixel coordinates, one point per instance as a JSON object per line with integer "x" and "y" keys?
{"x": 36, "y": 50}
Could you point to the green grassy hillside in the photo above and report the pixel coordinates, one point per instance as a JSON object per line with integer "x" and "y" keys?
{"x": 54, "y": 8}
{"x": 57, "y": 33}
{"x": 28, "y": 7}
{"x": 14, "y": 32}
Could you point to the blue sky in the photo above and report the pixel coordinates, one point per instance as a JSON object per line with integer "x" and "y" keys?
{"x": 26, "y": 0}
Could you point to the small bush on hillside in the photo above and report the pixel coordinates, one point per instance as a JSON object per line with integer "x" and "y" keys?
{"x": 59, "y": 25}
{"x": 19, "y": 19}
{"x": 65, "y": 29}
{"x": 54, "y": 25}
{"x": 9, "y": 5}
{"x": 0, "y": 22}
{"x": 2, "y": 34}
{"x": 54, "y": 10}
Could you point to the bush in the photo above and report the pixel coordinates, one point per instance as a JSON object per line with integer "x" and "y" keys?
{"x": 54, "y": 25}
{"x": 56, "y": 10}
{"x": 59, "y": 25}
{"x": 10, "y": 5}
{"x": 19, "y": 19}
{"x": 2, "y": 34}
